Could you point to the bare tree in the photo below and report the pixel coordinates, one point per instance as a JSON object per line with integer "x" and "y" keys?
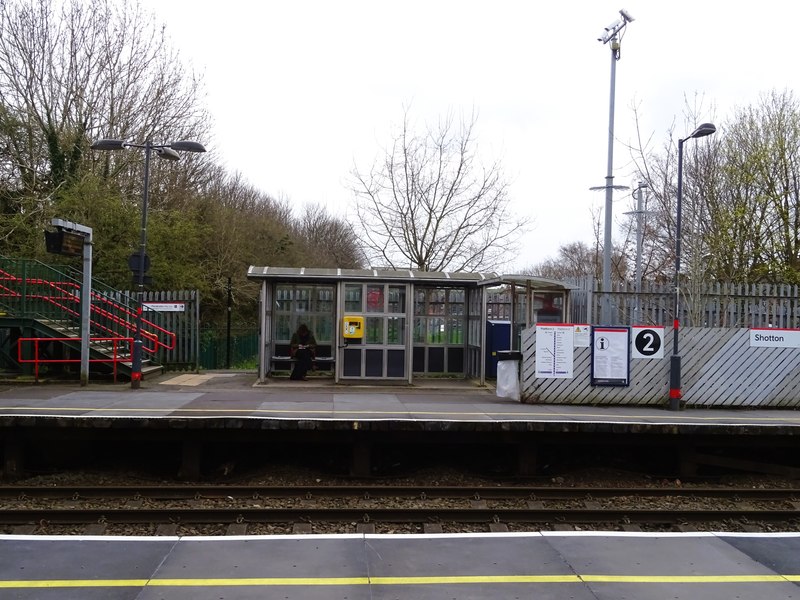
{"x": 428, "y": 204}
{"x": 576, "y": 260}
{"x": 741, "y": 196}
{"x": 760, "y": 207}
{"x": 657, "y": 167}
{"x": 328, "y": 241}
{"x": 249, "y": 226}
{"x": 75, "y": 70}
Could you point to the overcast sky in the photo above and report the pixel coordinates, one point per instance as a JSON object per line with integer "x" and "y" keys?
{"x": 300, "y": 92}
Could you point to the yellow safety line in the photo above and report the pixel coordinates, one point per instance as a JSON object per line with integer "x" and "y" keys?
{"x": 574, "y": 417}
{"x": 433, "y": 580}
{"x": 476, "y": 579}
{"x": 260, "y": 581}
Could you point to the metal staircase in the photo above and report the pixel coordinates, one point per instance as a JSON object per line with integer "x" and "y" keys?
{"x": 40, "y": 321}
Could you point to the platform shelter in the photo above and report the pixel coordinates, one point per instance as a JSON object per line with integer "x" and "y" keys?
{"x": 395, "y": 325}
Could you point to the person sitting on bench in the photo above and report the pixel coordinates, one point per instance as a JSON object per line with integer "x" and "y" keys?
{"x": 303, "y": 347}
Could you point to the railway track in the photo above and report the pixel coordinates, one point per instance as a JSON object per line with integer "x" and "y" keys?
{"x": 187, "y": 492}
{"x": 534, "y": 507}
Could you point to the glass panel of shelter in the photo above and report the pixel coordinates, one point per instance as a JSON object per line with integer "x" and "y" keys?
{"x": 547, "y": 307}
{"x": 475, "y": 326}
{"x": 382, "y": 352}
{"x": 295, "y": 304}
{"x": 439, "y": 325}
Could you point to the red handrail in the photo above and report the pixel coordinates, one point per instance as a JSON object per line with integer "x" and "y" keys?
{"x": 123, "y": 317}
{"x": 115, "y": 356}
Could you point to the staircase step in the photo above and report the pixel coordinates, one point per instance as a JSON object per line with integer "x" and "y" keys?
{"x": 54, "y": 313}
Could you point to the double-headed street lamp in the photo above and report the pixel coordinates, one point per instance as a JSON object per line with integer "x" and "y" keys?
{"x": 169, "y": 152}
{"x": 675, "y": 361}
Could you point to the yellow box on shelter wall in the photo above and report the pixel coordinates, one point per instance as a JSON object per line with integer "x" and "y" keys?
{"x": 353, "y": 327}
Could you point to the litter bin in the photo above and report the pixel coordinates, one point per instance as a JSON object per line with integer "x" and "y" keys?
{"x": 508, "y": 374}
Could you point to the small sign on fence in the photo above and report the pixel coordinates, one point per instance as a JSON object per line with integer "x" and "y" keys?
{"x": 165, "y": 306}
{"x": 774, "y": 338}
{"x": 648, "y": 341}
{"x": 582, "y": 335}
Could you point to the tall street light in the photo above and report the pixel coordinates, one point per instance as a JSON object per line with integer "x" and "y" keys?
{"x": 169, "y": 152}
{"x": 613, "y": 34}
{"x": 640, "y": 213}
{"x": 675, "y": 361}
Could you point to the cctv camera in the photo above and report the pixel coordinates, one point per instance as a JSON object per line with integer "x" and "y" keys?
{"x": 613, "y": 26}
{"x": 626, "y": 15}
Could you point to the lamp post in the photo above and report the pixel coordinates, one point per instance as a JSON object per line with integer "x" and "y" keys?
{"x": 169, "y": 152}
{"x": 675, "y": 361}
{"x": 640, "y": 213}
{"x": 613, "y": 34}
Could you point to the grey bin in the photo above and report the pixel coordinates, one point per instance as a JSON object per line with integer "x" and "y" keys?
{"x": 508, "y": 374}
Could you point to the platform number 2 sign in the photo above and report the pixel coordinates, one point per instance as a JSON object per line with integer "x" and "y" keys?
{"x": 648, "y": 342}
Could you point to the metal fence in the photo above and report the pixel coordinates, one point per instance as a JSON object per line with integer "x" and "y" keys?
{"x": 177, "y": 311}
{"x": 239, "y": 350}
{"x": 708, "y": 305}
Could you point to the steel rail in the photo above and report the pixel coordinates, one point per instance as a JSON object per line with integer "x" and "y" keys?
{"x": 379, "y": 491}
{"x": 74, "y": 516}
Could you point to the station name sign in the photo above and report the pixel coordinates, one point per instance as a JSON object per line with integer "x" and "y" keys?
{"x": 774, "y": 338}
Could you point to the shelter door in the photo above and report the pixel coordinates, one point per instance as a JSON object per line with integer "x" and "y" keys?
{"x": 382, "y": 352}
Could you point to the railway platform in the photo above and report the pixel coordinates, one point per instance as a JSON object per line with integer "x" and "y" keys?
{"x": 236, "y": 395}
{"x": 547, "y": 565}
{"x": 230, "y": 407}
{"x": 553, "y": 565}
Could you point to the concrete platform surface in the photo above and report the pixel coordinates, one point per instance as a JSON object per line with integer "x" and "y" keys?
{"x": 236, "y": 395}
{"x": 546, "y": 566}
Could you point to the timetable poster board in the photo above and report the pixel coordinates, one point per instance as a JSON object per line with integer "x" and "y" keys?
{"x": 611, "y": 356}
{"x": 554, "y": 350}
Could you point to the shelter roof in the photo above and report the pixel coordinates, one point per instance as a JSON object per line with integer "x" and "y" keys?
{"x": 458, "y": 278}
{"x": 536, "y": 283}
{"x": 298, "y": 274}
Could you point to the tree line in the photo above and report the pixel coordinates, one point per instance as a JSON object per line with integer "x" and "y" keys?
{"x": 76, "y": 71}
{"x": 740, "y": 204}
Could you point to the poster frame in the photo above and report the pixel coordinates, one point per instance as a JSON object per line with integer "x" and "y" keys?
{"x": 619, "y": 348}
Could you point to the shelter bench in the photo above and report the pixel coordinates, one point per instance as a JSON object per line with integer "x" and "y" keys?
{"x": 320, "y": 361}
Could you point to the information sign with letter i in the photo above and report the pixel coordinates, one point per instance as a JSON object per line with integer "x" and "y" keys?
{"x": 611, "y": 356}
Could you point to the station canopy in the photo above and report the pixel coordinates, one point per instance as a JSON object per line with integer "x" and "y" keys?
{"x": 528, "y": 281}
{"x": 458, "y": 278}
